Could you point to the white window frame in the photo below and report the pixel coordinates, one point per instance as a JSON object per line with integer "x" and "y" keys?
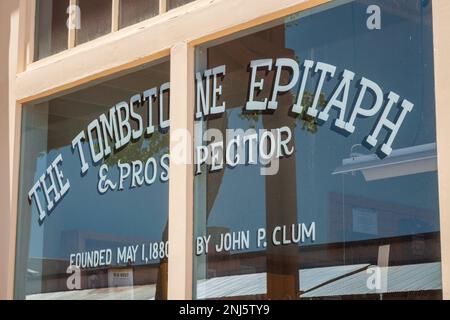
{"x": 176, "y": 33}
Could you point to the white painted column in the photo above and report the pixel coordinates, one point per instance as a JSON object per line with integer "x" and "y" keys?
{"x": 181, "y": 173}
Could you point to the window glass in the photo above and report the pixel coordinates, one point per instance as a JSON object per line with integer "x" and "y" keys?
{"x": 93, "y": 198}
{"x": 134, "y": 11}
{"x": 51, "y": 29}
{"x": 328, "y": 188}
{"x": 172, "y": 4}
{"x": 95, "y": 19}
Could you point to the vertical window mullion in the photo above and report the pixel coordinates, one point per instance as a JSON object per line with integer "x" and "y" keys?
{"x": 181, "y": 183}
{"x": 115, "y": 15}
{"x": 162, "y": 6}
{"x": 31, "y": 32}
{"x": 72, "y": 31}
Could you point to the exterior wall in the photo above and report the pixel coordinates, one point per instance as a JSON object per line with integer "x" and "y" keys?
{"x": 441, "y": 24}
{"x": 9, "y": 20}
{"x": 175, "y": 33}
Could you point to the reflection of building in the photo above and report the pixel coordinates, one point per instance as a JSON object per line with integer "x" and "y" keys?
{"x": 359, "y": 218}
{"x": 370, "y": 211}
{"x": 407, "y": 275}
{"x": 50, "y": 276}
{"x": 52, "y": 281}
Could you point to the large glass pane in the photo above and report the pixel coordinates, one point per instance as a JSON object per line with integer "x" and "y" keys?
{"x": 51, "y": 28}
{"x": 95, "y": 19}
{"x": 93, "y": 199}
{"x": 134, "y": 11}
{"x": 335, "y": 214}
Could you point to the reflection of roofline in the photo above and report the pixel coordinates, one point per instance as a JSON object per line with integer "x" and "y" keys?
{"x": 328, "y": 274}
{"x": 347, "y": 280}
{"x": 302, "y": 248}
{"x": 45, "y": 258}
{"x": 63, "y": 273}
{"x": 395, "y": 279}
{"x": 146, "y": 292}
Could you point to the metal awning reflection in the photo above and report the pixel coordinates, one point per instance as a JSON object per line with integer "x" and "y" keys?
{"x": 401, "y": 162}
{"x": 331, "y": 281}
{"x": 347, "y": 280}
{"x": 407, "y": 278}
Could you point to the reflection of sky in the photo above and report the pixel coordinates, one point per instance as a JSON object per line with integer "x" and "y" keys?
{"x": 240, "y": 201}
{"x": 117, "y": 217}
{"x": 398, "y": 58}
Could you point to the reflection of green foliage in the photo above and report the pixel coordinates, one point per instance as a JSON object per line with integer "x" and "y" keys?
{"x": 307, "y": 122}
{"x": 142, "y": 149}
{"x": 252, "y": 118}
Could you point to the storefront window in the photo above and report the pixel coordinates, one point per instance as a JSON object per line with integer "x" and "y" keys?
{"x": 134, "y": 11}
{"x": 326, "y": 185}
{"x": 93, "y": 198}
{"x": 51, "y": 29}
{"x": 89, "y": 19}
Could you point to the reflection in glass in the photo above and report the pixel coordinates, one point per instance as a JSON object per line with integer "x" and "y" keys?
{"x": 134, "y": 11}
{"x": 127, "y": 225}
{"x": 95, "y": 21}
{"x": 51, "y": 29}
{"x": 372, "y": 216}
